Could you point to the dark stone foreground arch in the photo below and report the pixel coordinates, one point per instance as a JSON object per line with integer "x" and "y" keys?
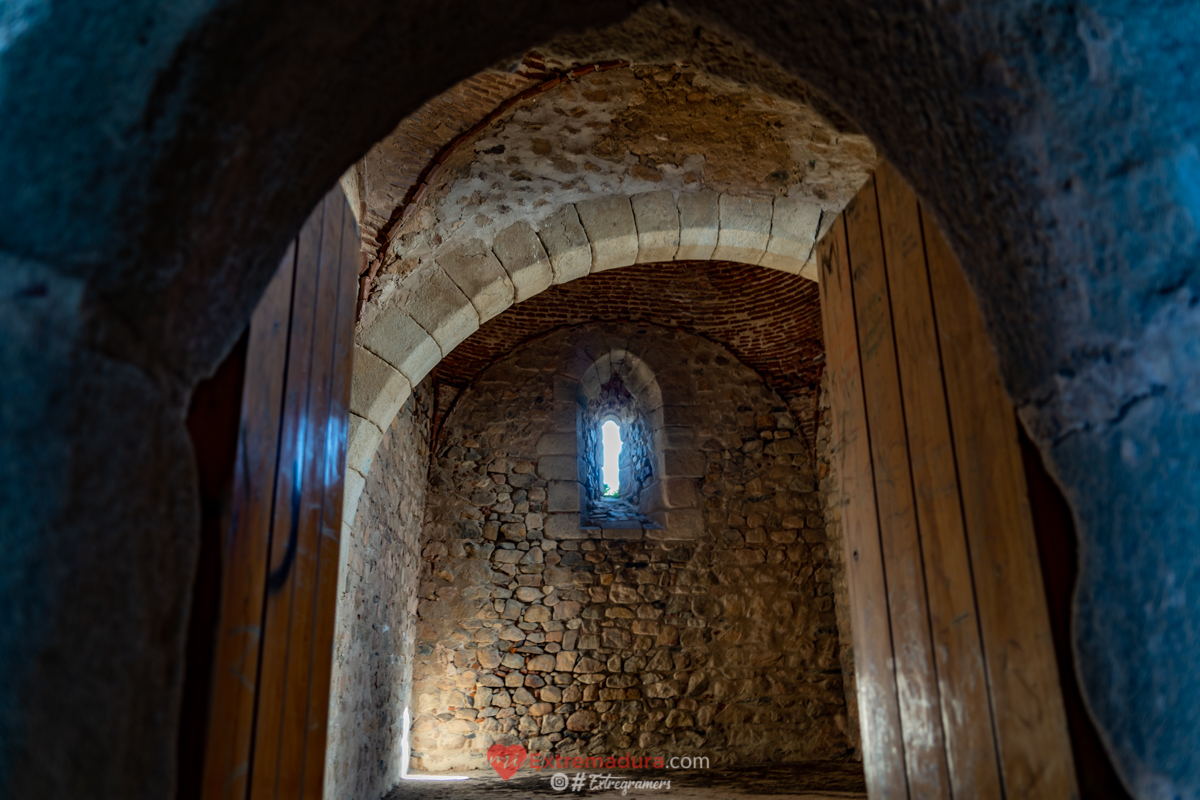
{"x": 156, "y": 156}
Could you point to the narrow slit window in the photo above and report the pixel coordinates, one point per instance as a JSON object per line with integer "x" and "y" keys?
{"x": 610, "y": 458}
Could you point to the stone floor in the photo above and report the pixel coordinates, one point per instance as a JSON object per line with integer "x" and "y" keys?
{"x": 813, "y": 781}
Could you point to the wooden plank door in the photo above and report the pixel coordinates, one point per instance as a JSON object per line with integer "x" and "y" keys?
{"x": 269, "y": 701}
{"x": 957, "y": 679}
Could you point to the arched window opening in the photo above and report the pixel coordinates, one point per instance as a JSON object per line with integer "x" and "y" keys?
{"x": 615, "y": 460}
{"x": 610, "y": 458}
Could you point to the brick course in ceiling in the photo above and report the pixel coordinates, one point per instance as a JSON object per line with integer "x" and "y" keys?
{"x": 771, "y": 321}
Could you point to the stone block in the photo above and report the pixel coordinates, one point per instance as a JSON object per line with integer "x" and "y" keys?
{"x": 583, "y": 721}
{"x": 681, "y": 524}
{"x": 400, "y": 341}
{"x": 480, "y": 276}
{"x": 566, "y": 244}
{"x": 558, "y": 576}
{"x": 557, "y": 444}
{"x": 673, "y": 437}
{"x": 563, "y": 496}
{"x": 794, "y": 223}
{"x": 684, "y": 415}
{"x": 589, "y": 384}
{"x": 623, "y": 593}
{"x": 441, "y": 308}
{"x": 667, "y": 493}
{"x": 524, "y": 258}
{"x": 657, "y": 220}
{"x": 589, "y": 665}
{"x": 608, "y": 222}
{"x": 663, "y": 689}
{"x": 624, "y": 532}
{"x": 745, "y": 229}
{"x": 363, "y": 439}
{"x": 489, "y": 657}
{"x": 527, "y": 594}
{"x": 353, "y": 489}
{"x": 699, "y": 225}
{"x": 683, "y": 463}
{"x": 642, "y": 383}
{"x": 377, "y": 390}
{"x": 809, "y": 270}
{"x": 616, "y": 638}
{"x": 542, "y": 663}
{"x": 564, "y": 526}
{"x": 558, "y": 468}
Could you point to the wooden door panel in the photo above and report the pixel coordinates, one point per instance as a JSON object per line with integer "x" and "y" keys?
{"x": 954, "y": 623}
{"x": 958, "y": 689}
{"x": 916, "y": 678}
{"x": 269, "y": 709}
{"x": 879, "y": 711}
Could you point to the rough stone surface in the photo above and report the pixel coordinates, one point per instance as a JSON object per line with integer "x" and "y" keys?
{"x": 657, "y": 218}
{"x": 524, "y": 258}
{"x": 614, "y": 133}
{"x": 699, "y": 224}
{"x": 567, "y": 245}
{"x": 401, "y": 342}
{"x": 441, "y": 308}
{"x": 725, "y": 645}
{"x": 475, "y": 270}
{"x": 377, "y": 391}
{"x": 611, "y": 230}
{"x": 371, "y": 681}
{"x": 794, "y": 225}
{"x": 745, "y": 229}
{"x": 363, "y": 439}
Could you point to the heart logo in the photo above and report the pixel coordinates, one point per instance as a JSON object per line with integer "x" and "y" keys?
{"x": 506, "y": 759}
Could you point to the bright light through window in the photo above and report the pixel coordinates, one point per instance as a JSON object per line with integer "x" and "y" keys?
{"x": 610, "y": 446}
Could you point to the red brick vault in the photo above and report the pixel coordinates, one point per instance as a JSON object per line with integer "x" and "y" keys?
{"x": 770, "y": 320}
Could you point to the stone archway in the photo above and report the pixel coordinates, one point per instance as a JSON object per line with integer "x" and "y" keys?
{"x": 471, "y": 283}
{"x": 1034, "y": 148}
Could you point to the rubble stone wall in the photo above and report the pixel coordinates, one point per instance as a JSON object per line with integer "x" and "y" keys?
{"x": 373, "y": 648}
{"x": 712, "y": 634}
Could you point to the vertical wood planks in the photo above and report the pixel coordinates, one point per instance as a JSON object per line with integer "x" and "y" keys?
{"x": 879, "y": 713}
{"x": 916, "y": 679}
{"x": 292, "y": 464}
{"x": 331, "y": 477}
{"x": 288, "y": 526}
{"x": 245, "y": 551}
{"x": 958, "y": 686}
{"x": 962, "y": 679}
{"x": 1030, "y": 719}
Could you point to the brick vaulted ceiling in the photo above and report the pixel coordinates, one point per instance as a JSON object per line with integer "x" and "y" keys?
{"x": 771, "y": 321}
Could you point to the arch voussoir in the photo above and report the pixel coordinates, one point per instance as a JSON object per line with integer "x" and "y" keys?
{"x": 469, "y": 282}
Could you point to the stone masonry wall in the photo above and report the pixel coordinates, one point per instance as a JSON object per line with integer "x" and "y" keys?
{"x": 715, "y": 635}
{"x": 373, "y": 649}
